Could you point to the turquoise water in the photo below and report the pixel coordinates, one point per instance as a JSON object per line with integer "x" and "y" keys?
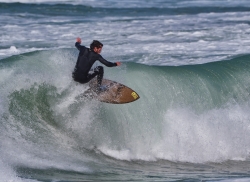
{"x": 188, "y": 60}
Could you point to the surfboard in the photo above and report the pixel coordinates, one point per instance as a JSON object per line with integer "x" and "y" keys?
{"x": 116, "y": 93}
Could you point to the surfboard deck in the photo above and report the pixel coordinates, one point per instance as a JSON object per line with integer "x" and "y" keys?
{"x": 116, "y": 93}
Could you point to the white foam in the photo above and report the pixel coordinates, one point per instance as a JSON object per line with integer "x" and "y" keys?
{"x": 7, "y": 174}
{"x": 214, "y": 136}
{"x": 13, "y": 49}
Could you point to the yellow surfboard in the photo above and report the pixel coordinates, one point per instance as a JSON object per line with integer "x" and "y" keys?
{"x": 116, "y": 93}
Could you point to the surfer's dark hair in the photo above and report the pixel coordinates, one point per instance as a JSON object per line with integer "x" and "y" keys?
{"x": 95, "y": 43}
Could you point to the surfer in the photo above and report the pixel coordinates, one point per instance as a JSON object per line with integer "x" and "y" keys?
{"x": 86, "y": 58}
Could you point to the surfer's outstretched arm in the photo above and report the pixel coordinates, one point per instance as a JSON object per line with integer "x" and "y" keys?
{"x": 106, "y": 63}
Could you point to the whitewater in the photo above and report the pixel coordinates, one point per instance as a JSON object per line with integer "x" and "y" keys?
{"x": 188, "y": 60}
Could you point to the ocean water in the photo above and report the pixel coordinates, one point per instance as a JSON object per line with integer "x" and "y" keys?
{"x": 189, "y": 60}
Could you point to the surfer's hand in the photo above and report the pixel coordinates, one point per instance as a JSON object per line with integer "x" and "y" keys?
{"x": 78, "y": 39}
{"x": 118, "y": 63}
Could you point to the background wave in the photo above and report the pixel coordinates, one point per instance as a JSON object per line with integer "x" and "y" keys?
{"x": 170, "y": 34}
{"x": 88, "y": 10}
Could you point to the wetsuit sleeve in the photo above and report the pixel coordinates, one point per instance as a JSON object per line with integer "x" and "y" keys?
{"x": 79, "y": 46}
{"x": 105, "y": 62}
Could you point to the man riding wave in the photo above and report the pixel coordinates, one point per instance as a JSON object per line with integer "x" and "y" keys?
{"x": 86, "y": 58}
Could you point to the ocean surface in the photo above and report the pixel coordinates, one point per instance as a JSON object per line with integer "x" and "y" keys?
{"x": 189, "y": 60}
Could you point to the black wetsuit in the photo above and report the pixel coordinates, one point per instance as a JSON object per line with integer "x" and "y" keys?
{"x": 86, "y": 59}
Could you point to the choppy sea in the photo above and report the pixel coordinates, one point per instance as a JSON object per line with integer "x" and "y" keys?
{"x": 189, "y": 60}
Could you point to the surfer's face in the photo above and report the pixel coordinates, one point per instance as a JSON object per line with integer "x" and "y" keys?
{"x": 98, "y": 50}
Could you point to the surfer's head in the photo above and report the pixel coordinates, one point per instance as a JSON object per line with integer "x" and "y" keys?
{"x": 96, "y": 46}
